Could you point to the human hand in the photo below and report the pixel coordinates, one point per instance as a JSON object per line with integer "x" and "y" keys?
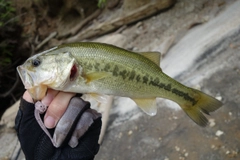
{"x": 34, "y": 141}
{"x": 57, "y": 103}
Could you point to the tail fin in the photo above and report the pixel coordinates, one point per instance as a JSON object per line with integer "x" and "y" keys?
{"x": 205, "y": 105}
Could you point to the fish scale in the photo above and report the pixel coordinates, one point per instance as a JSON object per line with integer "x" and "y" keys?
{"x": 120, "y": 67}
{"x": 106, "y": 69}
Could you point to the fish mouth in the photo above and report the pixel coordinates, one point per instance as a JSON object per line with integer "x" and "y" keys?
{"x": 25, "y": 77}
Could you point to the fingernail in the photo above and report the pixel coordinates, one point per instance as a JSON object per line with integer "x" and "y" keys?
{"x": 50, "y": 122}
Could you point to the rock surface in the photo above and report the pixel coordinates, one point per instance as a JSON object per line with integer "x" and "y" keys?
{"x": 204, "y": 57}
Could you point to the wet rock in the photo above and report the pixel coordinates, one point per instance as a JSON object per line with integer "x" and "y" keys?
{"x": 212, "y": 122}
{"x": 219, "y": 133}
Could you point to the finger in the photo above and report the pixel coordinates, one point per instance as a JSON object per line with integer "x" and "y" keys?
{"x": 51, "y": 94}
{"x": 27, "y": 97}
{"x": 57, "y": 108}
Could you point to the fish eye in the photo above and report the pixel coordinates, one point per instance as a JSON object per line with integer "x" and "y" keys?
{"x": 36, "y": 62}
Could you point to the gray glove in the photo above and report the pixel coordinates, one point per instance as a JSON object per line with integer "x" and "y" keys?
{"x": 80, "y": 130}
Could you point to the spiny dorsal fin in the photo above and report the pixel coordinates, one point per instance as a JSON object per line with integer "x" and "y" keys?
{"x": 153, "y": 56}
{"x": 147, "y": 105}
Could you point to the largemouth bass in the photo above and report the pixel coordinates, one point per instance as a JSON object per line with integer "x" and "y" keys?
{"x": 96, "y": 68}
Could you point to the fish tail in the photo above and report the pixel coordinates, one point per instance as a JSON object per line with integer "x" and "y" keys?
{"x": 205, "y": 104}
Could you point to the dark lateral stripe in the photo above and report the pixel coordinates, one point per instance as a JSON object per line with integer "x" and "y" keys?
{"x": 184, "y": 95}
{"x": 175, "y": 91}
{"x": 148, "y": 80}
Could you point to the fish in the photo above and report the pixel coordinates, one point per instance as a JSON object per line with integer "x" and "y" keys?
{"x": 103, "y": 69}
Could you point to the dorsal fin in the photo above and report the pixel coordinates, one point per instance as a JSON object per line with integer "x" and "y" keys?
{"x": 153, "y": 56}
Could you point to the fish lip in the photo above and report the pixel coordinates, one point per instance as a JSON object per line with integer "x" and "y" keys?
{"x": 25, "y": 77}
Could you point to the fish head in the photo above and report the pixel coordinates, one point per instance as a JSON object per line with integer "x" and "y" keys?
{"x": 51, "y": 69}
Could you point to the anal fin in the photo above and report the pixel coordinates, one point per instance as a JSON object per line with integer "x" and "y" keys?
{"x": 147, "y": 105}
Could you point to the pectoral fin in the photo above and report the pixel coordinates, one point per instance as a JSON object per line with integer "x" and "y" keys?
{"x": 93, "y": 76}
{"x": 153, "y": 56}
{"x": 147, "y": 105}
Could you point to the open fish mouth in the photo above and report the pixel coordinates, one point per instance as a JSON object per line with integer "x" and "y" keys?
{"x": 25, "y": 77}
